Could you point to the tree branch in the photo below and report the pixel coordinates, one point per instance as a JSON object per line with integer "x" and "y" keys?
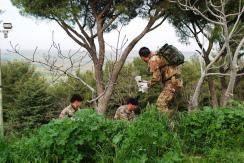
{"x": 194, "y": 9}
{"x": 52, "y": 66}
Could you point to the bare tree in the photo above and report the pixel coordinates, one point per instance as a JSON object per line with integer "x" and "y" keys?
{"x": 219, "y": 17}
{"x": 191, "y": 26}
{"x": 69, "y": 64}
{"x": 60, "y": 64}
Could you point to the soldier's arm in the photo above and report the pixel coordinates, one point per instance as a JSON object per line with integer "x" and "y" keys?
{"x": 156, "y": 75}
{"x": 116, "y": 116}
{"x": 64, "y": 114}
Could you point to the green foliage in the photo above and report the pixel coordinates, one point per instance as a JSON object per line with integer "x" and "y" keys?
{"x": 149, "y": 139}
{"x": 32, "y": 104}
{"x": 86, "y": 137}
{"x": 64, "y": 89}
{"x": 89, "y": 137}
{"x": 14, "y": 74}
{"x": 184, "y": 20}
{"x": 217, "y": 155}
{"x": 208, "y": 129}
{"x": 202, "y": 136}
{"x": 28, "y": 100}
{"x": 187, "y": 22}
{"x": 26, "y": 103}
{"x": 86, "y": 11}
{"x": 5, "y": 151}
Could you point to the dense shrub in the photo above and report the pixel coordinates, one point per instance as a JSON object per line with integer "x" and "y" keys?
{"x": 4, "y": 150}
{"x": 203, "y": 130}
{"x": 26, "y": 101}
{"x": 149, "y": 139}
{"x": 217, "y": 155}
{"x": 202, "y": 136}
{"x": 86, "y": 137}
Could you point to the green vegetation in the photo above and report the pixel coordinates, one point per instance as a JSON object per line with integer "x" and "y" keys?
{"x": 203, "y": 136}
{"x": 26, "y": 101}
{"x": 31, "y": 103}
{"x": 207, "y": 135}
{"x": 29, "y": 100}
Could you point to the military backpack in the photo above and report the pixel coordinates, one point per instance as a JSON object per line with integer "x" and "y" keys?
{"x": 171, "y": 54}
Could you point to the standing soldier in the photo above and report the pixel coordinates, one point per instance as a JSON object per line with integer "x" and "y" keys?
{"x": 126, "y": 112}
{"x": 164, "y": 68}
{"x": 74, "y": 106}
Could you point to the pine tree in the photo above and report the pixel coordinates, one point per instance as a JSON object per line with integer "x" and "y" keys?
{"x": 26, "y": 101}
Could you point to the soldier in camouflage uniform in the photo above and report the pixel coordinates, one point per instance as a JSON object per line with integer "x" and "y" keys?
{"x": 169, "y": 76}
{"x": 74, "y": 106}
{"x": 126, "y": 112}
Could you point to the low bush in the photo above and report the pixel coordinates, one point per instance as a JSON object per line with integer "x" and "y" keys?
{"x": 4, "y": 150}
{"x": 149, "y": 139}
{"x": 86, "y": 137}
{"x": 202, "y": 136}
{"x": 204, "y": 130}
{"x": 217, "y": 155}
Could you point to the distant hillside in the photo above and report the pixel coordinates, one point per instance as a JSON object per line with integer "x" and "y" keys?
{"x": 7, "y": 56}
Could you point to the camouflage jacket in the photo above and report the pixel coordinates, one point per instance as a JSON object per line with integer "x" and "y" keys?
{"x": 123, "y": 113}
{"x": 160, "y": 71}
{"x": 67, "y": 112}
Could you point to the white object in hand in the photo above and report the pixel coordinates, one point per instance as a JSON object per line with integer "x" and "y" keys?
{"x": 143, "y": 87}
{"x": 142, "y": 84}
{"x": 138, "y": 79}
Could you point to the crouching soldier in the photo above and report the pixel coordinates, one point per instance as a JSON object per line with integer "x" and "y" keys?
{"x": 75, "y": 103}
{"x": 163, "y": 66}
{"x": 126, "y": 112}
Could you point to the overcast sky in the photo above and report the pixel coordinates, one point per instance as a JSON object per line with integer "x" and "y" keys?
{"x": 29, "y": 33}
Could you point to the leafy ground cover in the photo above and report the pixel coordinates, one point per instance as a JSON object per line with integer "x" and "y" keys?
{"x": 208, "y": 135}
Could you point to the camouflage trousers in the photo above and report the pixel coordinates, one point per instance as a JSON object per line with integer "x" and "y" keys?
{"x": 170, "y": 89}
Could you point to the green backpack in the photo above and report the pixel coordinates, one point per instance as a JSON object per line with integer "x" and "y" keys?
{"x": 171, "y": 54}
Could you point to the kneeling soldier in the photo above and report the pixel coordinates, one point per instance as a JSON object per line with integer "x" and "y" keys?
{"x": 126, "y": 112}
{"x": 74, "y": 106}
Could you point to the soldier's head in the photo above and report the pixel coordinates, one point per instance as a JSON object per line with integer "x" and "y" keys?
{"x": 132, "y": 104}
{"x": 145, "y": 54}
{"x": 76, "y": 101}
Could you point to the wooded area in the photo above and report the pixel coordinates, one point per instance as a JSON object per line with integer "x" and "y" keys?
{"x": 210, "y": 111}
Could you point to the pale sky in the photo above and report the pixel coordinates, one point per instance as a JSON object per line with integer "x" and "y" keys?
{"x": 29, "y": 33}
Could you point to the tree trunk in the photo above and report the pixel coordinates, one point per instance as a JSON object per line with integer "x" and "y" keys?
{"x": 100, "y": 88}
{"x": 212, "y": 91}
{"x": 103, "y": 101}
{"x": 211, "y": 85}
{"x": 102, "y": 105}
{"x": 233, "y": 74}
{"x": 206, "y": 53}
{"x": 99, "y": 79}
{"x": 194, "y": 100}
{"x": 223, "y": 86}
{"x": 223, "y": 98}
{"x": 229, "y": 91}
